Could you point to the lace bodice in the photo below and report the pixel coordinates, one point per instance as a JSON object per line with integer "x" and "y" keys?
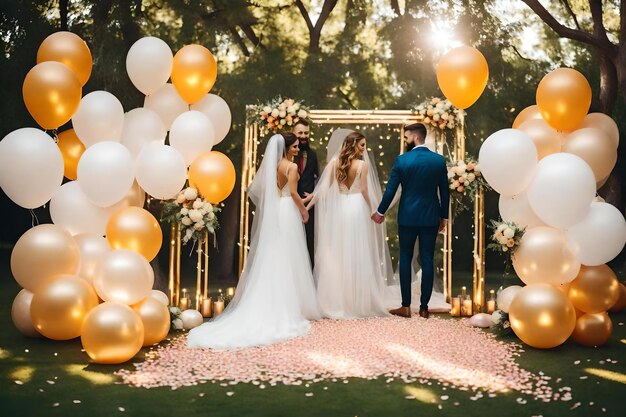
{"x": 355, "y": 188}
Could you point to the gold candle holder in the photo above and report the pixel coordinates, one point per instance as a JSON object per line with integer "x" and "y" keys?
{"x": 184, "y": 301}
{"x": 218, "y": 308}
{"x": 491, "y": 303}
{"x": 466, "y": 307}
{"x": 207, "y": 307}
{"x": 230, "y": 291}
{"x": 455, "y": 311}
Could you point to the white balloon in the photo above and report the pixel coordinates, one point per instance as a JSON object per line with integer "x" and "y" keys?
{"x": 562, "y": 190}
{"x": 167, "y": 103}
{"x": 216, "y": 109}
{"x": 31, "y": 167}
{"x": 192, "y": 134}
{"x": 600, "y": 236}
{"x": 20, "y": 314}
{"x": 161, "y": 171}
{"x": 149, "y": 64}
{"x": 507, "y": 160}
{"x": 106, "y": 173}
{"x": 92, "y": 248}
{"x": 100, "y": 117}
{"x": 142, "y": 126}
{"x": 191, "y": 319}
{"x": 161, "y": 296}
{"x": 480, "y": 320}
{"x": 517, "y": 209}
{"x": 506, "y": 296}
{"x": 71, "y": 209}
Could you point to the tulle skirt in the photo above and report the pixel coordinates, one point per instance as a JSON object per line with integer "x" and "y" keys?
{"x": 348, "y": 273}
{"x": 279, "y": 298}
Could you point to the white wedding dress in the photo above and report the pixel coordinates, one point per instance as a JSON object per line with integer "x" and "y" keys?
{"x": 275, "y": 296}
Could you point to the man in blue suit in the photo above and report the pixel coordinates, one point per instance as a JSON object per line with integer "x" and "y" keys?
{"x": 422, "y": 213}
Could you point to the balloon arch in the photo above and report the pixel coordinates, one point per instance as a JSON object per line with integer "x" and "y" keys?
{"x": 452, "y": 145}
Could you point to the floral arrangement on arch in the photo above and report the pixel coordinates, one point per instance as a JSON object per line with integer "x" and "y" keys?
{"x": 278, "y": 114}
{"x": 506, "y": 239}
{"x": 193, "y": 213}
{"x": 439, "y": 113}
{"x": 464, "y": 179}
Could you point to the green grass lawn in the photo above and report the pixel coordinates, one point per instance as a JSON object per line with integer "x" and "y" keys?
{"x": 58, "y": 379}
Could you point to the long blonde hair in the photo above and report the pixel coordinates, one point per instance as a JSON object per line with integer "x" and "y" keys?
{"x": 347, "y": 155}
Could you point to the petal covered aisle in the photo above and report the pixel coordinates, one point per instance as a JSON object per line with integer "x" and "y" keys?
{"x": 449, "y": 351}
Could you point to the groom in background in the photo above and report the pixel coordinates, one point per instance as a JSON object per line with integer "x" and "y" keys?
{"x": 421, "y": 214}
{"x": 308, "y": 169}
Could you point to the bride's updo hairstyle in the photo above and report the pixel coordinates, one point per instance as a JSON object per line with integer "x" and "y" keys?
{"x": 347, "y": 155}
{"x": 290, "y": 138}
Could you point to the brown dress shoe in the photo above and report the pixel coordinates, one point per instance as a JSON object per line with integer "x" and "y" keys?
{"x": 423, "y": 313}
{"x": 402, "y": 312}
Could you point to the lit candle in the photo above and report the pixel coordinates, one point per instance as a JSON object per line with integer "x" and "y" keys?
{"x": 218, "y": 307}
{"x": 491, "y": 303}
{"x": 463, "y": 292}
{"x": 467, "y": 307}
{"x": 230, "y": 291}
{"x": 184, "y": 301}
{"x": 455, "y": 311}
{"x": 207, "y": 307}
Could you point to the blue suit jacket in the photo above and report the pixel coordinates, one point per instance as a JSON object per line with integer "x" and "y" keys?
{"x": 421, "y": 173}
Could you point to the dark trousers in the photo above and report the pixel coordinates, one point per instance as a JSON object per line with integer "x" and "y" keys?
{"x": 309, "y": 229}
{"x": 427, "y": 239}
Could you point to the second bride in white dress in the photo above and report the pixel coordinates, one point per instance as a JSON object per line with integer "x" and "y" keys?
{"x": 275, "y": 296}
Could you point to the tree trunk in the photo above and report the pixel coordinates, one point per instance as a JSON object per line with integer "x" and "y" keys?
{"x": 608, "y": 83}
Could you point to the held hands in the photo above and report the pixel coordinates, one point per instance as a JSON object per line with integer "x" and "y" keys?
{"x": 443, "y": 223}
{"x": 307, "y": 198}
{"x": 377, "y": 218}
{"x": 305, "y": 216}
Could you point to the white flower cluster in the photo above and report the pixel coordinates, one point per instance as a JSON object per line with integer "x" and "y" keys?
{"x": 177, "y": 322}
{"x": 462, "y": 175}
{"x": 279, "y": 114}
{"x": 195, "y": 215}
{"x": 439, "y": 113}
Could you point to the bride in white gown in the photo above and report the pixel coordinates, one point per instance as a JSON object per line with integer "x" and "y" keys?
{"x": 275, "y": 297}
{"x": 353, "y": 268}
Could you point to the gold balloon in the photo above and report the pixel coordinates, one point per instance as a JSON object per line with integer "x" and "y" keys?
{"x": 51, "y": 93}
{"x": 563, "y": 98}
{"x": 595, "y": 289}
{"x": 595, "y": 148}
{"x": 69, "y": 49}
{"x": 620, "y": 304}
{"x": 156, "y": 320}
{"x": 160, "y": 296}
{"x": 58, "y": 309}
{"x": 603, "y": 122}
{"x": 544, "y": 257}
{"x": 542, "y": 316}
{"x": 529, "y": 113}
{"x": 593, "y": 329}
{"x": 112, "y": 333}
{"x": 194, "y": 72}
{"x": 41, "y": 254}
{"x": 123, "y": 276}
{"x": 92, "y": 249}
{"x": 136, "y": 229}
{"x": 20, "y": 314}
{"x": 462, "y": 75}
{"x": 546, "y": 140}
{"x": 71, "y": 148}
{"x": 213, "y": 174}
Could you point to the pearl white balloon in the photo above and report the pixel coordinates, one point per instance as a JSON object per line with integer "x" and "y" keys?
{"x": 124, "y": 276}
{"x": 216, "y": 109}
{"x": 506, "y": 296}
{"x": 142, "y": 126}
{"x": 31, "y": 167}
{"x": 20, "y": 314}
{"x": 100, "y": 117}
{"x": 71, "y": 209}
{"x": 192, "y": 134}
{"x": 517, "y": 209}
{"x": 106, "y": 173}
{"x": 508, "y": 159}
{"x": 149, "y": 64}
{"x": 161, "y": 296}
{"x": 92, "y": 249}
{"x": 167, "y": 104}
{"x": 161, "y": 171}
{"x": 600, "y": 236}
{"x": 191, "y": 318}
{"x": 604, "y": 122}
{"x": 480, "y": 320}
{"x": 562, "y": 190}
